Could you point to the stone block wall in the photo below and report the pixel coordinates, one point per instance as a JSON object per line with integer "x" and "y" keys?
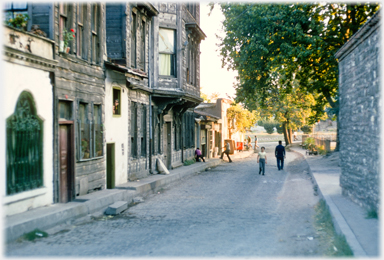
{"x": 359, "y": 116}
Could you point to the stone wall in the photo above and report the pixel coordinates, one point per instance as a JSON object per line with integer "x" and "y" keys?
{"x": 359, "y": 117}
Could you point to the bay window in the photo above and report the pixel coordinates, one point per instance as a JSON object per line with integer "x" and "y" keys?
{"x": 167, "y": 53}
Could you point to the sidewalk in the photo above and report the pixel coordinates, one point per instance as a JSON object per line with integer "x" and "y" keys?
{"x": 349, "y": 219}
{"x": 50, "y": 216}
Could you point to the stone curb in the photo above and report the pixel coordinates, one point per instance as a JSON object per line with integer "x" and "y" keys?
{"x": 56, "y": 214}
{"x": 339, "y": 222}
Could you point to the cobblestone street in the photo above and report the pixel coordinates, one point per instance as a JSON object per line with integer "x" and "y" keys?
{"x": 228, "y": 211}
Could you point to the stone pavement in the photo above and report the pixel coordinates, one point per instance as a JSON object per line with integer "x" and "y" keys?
{"x": 50, "y": 216}
{"x": 349, "y": 218}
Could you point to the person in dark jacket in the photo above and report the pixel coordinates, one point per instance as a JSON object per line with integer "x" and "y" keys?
{"x": 280, "y": 155}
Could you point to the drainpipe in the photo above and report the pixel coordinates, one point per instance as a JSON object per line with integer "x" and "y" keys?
{"x": 150, "y": 100}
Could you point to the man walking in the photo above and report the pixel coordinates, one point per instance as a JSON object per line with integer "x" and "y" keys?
{"x": 280, "y": 155}
{"x": 226, "y": 151}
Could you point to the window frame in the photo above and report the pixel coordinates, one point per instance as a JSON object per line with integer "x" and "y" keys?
{"x": 81, "y": 16}
{"x": 133, "y": 129}
{"x": 173, "y": 69}
{"x": 95, "y": 39}
{"x": 143, "y": 119}
{"x": 113, "y": 101}
{"x": 63, "y": 18}
{"x": 133, "y": 50}
{"x": 143, "y": 44}
{"x": 89, "y": 109}
{"x": 14, "y": 10}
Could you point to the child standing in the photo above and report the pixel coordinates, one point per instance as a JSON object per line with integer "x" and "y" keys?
{"x": 262, "y": 160}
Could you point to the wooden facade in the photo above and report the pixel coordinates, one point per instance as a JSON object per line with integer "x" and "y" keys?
{"x": 129, "y": 71}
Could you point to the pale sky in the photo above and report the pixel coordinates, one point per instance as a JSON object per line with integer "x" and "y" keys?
{"x": 213, "y": 78}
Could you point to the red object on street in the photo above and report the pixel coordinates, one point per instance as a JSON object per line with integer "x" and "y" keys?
{"x": 240, "y": 146}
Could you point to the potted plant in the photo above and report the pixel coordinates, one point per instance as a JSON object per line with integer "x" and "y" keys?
{"x": 67, "y": 37}
{"x": 19, "y": 22}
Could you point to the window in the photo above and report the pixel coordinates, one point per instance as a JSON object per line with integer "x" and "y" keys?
{"x": 65, "y": 110}
{"x": 191, "y": 63}
{"x": 156, "y": 133}
{"x": 81, "y": 17}
{"x": 133, "y": 131}
{"x": 177, "y": 134}
{"x": 144, "y": 131}
{"x": 90, "y": 137}
{"x": 116, "y": 105}
{"x": 14, "y": 8}
{"x": 133, "y": 40}
{"x": 97, "y": 131}
{"x": 167, "y": 57}
{"x": 63, "y": 10}
{"x": 142, "y": 47}
{"x": 84, "y": 131}
{"x": 95, "y": 45}
{"x": 192, "y": 9}
{"x": 24, "y": 156}
{"x": 189, "y": 128}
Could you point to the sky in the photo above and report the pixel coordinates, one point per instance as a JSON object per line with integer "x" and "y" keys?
{"x": 213, "y": 78}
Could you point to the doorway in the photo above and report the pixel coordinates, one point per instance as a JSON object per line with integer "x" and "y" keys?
{"x": 110, "y": 166}
{"x": 167, "y": 145}
{"x": 66, "y": 163}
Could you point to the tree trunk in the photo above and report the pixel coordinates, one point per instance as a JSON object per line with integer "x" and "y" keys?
{"x": 290, "y": 135}
{"x": 286, "y": 134}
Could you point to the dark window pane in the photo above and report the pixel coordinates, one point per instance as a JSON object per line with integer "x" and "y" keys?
{"x": 65, "y": 110}
{"x": 98, "y": 130}
{"x": 84, "y": 132}
{"x": 116, "y": 107}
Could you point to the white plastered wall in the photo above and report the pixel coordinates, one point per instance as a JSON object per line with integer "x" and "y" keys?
{"x": 17, "y": 79}
{"x": 117, "y": 126}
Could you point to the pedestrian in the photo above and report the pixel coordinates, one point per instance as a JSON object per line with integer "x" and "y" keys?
{"x": 262, "y": 160}
{"x": 198, "y": 155}
{"x": 226, "y": 151}
{"x": 256, "y": 146}
{"x": 280, "y": 155}
{"x": 295, "y": 136}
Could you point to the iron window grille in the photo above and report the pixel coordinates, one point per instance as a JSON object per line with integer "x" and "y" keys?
{"x": 24, "y": 156}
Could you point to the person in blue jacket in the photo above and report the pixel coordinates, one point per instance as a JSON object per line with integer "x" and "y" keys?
{"x": 280, "y": 155}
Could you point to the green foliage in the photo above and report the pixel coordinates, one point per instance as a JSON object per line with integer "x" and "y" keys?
{"x": 321, "y": 150}
{"x": 306, "y": 129}
{"x": 68, "y": 36}
{"x": 372, "y": 214}
{"x": 269, "y": 126}
{"x": 243, "y": 117}
{"x": 189, "y": 162}
{"x": 37, "y": 233}
{"x": 20, "y": 21}
{"x": 284, "y": 54}
{"x": 279, "y": 128}
{"x": 337, "y": 244}
{"x": 309, "y": 143}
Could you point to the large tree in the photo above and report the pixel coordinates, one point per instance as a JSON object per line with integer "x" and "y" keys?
{"x": 297, "y": 42}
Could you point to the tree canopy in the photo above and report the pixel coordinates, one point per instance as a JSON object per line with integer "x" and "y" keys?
{"x": 244, "y": 119}
{"x": 286, "y": 50}
{"x": 297, "y": 41}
